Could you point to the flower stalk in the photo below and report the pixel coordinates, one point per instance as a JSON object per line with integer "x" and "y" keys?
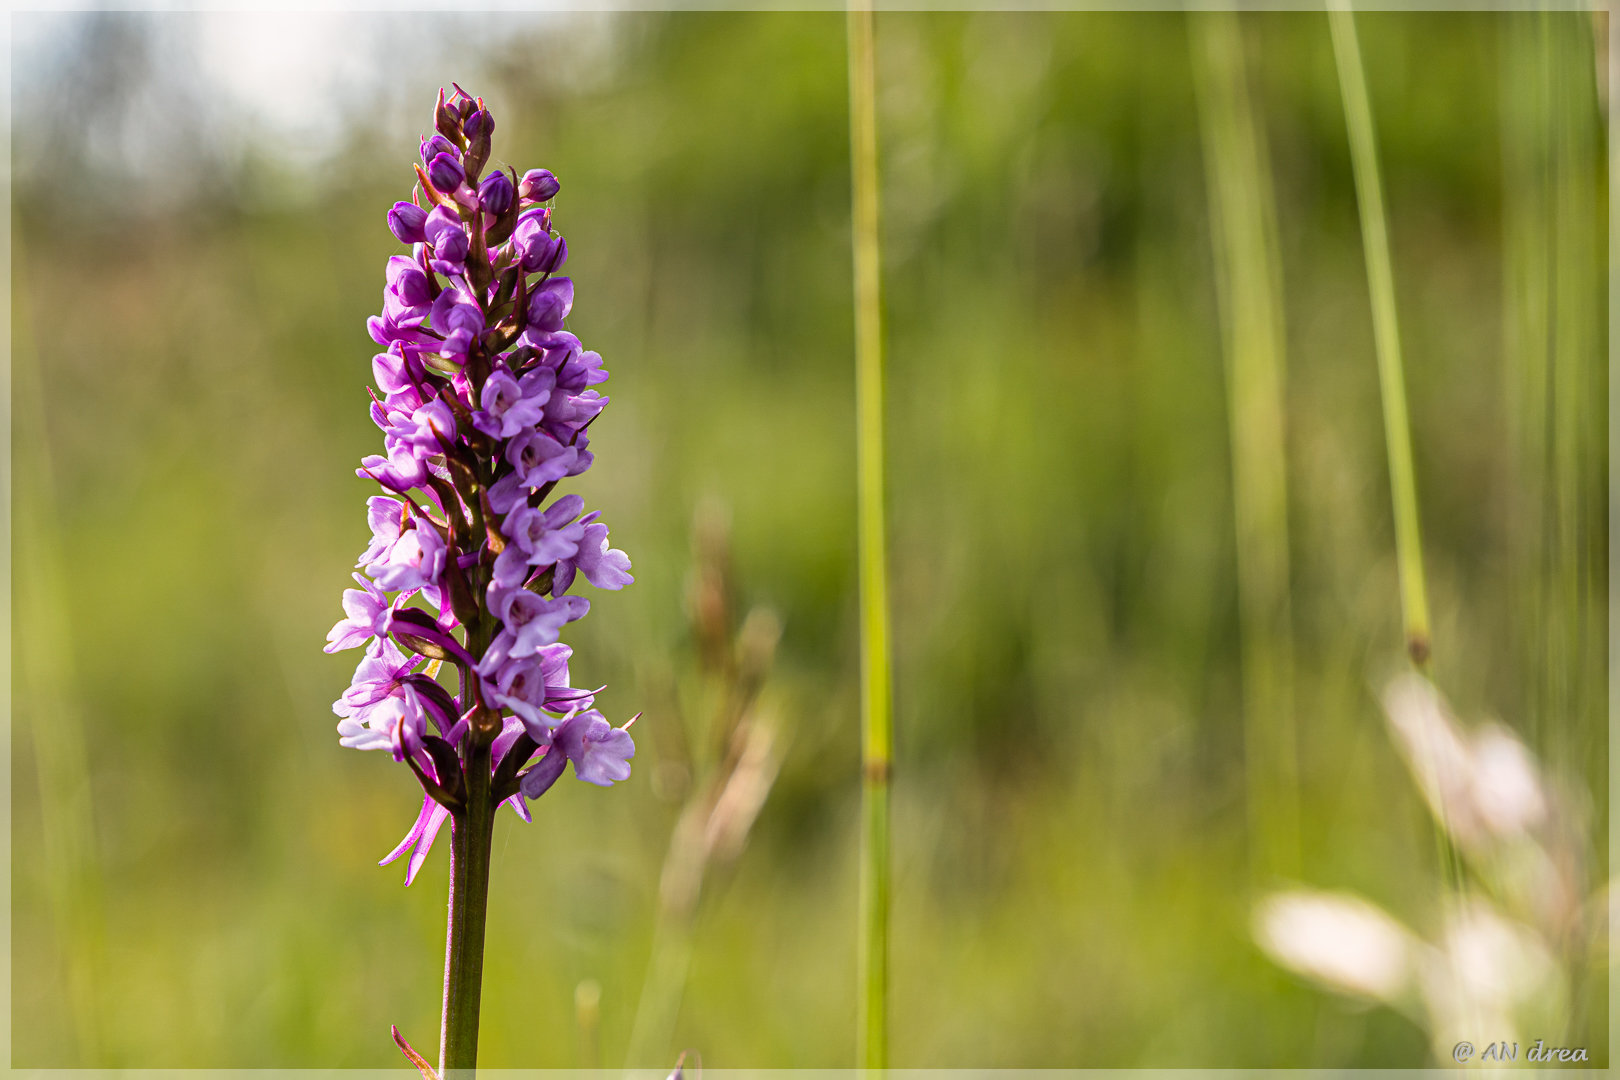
{"x": 471, "y": 832}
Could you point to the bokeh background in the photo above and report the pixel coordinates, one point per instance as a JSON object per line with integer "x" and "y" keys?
{"x": 198, "y": 237}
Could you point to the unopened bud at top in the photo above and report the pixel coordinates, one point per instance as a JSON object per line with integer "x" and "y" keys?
{"x": 445, "y": 118}
{"x": 538, "y": 185}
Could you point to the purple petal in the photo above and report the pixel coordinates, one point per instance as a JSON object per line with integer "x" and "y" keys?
{"x": 425, "y": 845}
{"x": 416, "y": 831}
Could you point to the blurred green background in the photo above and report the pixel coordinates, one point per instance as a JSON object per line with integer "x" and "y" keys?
{"x": 194, "y": 878}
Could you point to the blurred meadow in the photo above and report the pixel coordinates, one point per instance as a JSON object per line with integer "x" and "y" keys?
{"x": 1119, "y": 725}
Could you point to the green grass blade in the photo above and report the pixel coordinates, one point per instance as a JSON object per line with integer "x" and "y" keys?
{"x": 876, "y": 707}
{"x": 1386, "y": 335}
{"x": 1391, "y": 380}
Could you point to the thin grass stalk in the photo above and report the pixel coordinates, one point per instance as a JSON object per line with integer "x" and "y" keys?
{"x": 659, "y": 1004}
{"x": 1391, "y": 385}
{"x": 1527, "y": 330}
{"x": 877, "y": 736}
{"x": 708, "y": 838}
{"x": 1248, "y": 284}
{"x": 1550, "y": 453}
{"x": 1563, "y": 445}
{"x": 1578, "y": 729}
{"x": 709, "y": 834}
{"x": 1386, "y": 336}
{"x": 1611, "y": 443}
{"x": 1574, "y": 726}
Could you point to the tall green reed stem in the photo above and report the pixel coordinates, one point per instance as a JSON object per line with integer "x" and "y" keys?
{"x": 877, "y": 736}
{"x": 1248, "y": 282}
{"x": 1386, "y": 335}
{"x": 1391, "y": 383}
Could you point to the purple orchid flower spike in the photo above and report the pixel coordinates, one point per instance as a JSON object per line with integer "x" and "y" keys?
{"x": 483, "y": 398}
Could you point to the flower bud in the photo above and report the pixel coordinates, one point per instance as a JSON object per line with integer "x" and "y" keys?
{"x": 449, "y": 239}
{"x": 435, "y": 146}
{"x": 407, "y": 282}
{"x": 478, "y": 127}
{"x": 550, "y": 304}
{"x": 545, "y": 255}
{"x": 405, "y": 221}
{"x": 555, "y": 257}
{"x": 533, "y": 221}
{"x": 446, "y": 119}
{"x": 446, "y": 172}
{"x": 440, "y": 224}
{"x": 495, "y": 193}
{"x": 534, "y": 243}
{"x": 538, "y": 185}
{"x": 499, "y": 227}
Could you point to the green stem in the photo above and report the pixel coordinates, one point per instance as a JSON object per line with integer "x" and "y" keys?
{"x": 470, "y": 833}
{"x": 876, "y": 711}
{"x": 1391, "y": 382}
{"x": 1386, "y": 334}
{"x": 873, "y": 1046}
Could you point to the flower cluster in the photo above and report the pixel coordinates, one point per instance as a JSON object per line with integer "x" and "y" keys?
{"x": 484, "y": 400}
